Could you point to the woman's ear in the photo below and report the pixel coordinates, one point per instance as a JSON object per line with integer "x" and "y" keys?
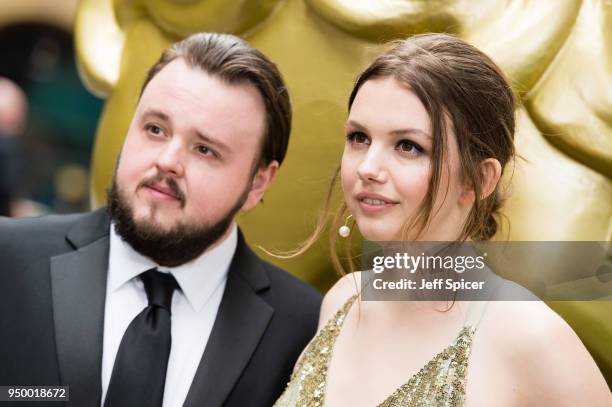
{"x": 490, "y": 169}
{"x": 491, "y": 172}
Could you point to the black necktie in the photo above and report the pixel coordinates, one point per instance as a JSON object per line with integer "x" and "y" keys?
{"x": 139, "y": 373}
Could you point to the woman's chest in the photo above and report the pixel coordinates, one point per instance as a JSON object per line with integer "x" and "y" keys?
{"x": 374, "y": 367}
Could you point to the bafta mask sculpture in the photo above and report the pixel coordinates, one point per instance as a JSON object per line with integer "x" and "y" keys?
{"x": 558, "y": 56}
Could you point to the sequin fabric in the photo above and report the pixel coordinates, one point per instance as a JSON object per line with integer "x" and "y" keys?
{"x": 440, "y": 383}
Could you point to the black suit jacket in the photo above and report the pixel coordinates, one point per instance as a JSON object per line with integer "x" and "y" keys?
{"x": 52, "y": 292}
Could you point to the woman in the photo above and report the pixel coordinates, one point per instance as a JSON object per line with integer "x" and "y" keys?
{"x": 430, "y": 130}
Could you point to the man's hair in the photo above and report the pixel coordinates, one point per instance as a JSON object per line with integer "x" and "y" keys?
{"x": 235, "y": 61}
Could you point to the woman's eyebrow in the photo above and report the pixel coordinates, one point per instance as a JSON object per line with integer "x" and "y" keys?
{"x": 353, "y": 123}
{"x": 410, "y": 130}
{"x": 397, "y": 132}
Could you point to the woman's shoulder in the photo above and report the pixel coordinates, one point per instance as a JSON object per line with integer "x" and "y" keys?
{"x": 523, "y": 324}
{"x": 526, "y": 325}
{"x": 543, "y": 353}
{"x": 346, "y": 287}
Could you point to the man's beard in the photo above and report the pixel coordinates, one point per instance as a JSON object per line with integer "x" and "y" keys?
{"x": 178, "y": 245}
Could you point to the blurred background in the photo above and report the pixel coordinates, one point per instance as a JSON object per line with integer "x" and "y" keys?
{"x": 71, "y": 71}
{"x": 47, "y": 117}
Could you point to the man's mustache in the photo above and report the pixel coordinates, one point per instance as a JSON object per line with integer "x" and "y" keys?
{"x": 170, "y": 183}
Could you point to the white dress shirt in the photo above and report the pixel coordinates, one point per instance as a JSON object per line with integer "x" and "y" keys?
{"x": 194, "y": 308}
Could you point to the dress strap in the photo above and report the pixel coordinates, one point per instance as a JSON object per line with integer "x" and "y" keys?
{"x": 341, "y": 313}
{"x": 475, "y": 312}
{"x": 350, "y": 301}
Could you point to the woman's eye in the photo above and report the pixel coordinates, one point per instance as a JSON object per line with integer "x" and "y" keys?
{"x": 407, "y": 146}
{"x": 357, "y": 137}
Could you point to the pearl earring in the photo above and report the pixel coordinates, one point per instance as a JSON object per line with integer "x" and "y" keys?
{"x": 344, "y": 230}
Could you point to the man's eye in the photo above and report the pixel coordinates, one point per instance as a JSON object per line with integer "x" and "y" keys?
{"x": 154, "y": 130}
{"x": 205, "y": 150}
{"x": 407, "y": 146}
{"x": 358, "y": 137}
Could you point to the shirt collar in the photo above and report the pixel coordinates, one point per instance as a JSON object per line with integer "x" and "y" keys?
{"x": 197, "y": 279}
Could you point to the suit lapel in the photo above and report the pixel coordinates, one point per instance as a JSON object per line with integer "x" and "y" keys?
{"x": 241, "y": 321}
{"x": 78, "y": 284}
{"x": 78, "y": 281}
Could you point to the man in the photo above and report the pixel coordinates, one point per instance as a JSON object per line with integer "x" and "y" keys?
{"x": 157, "y": 300}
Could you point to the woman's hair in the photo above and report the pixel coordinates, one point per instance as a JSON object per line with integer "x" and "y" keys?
{"x": 463, "y": 91}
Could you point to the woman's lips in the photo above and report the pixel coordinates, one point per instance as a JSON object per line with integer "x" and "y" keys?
{"x": 367, "y": 207}
{"x": 374, "y": 202}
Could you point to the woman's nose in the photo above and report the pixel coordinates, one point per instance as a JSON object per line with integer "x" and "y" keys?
{"x": 372, "y": 167}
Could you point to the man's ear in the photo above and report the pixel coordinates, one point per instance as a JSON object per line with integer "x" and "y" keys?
{"x": 490, "y": 169}
{"x": 261, "y": 181}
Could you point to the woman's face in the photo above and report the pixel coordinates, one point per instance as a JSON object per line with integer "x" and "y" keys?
{"x": 386, "y": 166}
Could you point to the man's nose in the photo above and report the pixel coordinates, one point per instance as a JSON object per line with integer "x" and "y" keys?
{"x": 170, "y": 158}
{"x": 373, "y": 166}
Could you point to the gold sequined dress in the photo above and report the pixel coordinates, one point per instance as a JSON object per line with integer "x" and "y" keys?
{"x": 440, "y": 383}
